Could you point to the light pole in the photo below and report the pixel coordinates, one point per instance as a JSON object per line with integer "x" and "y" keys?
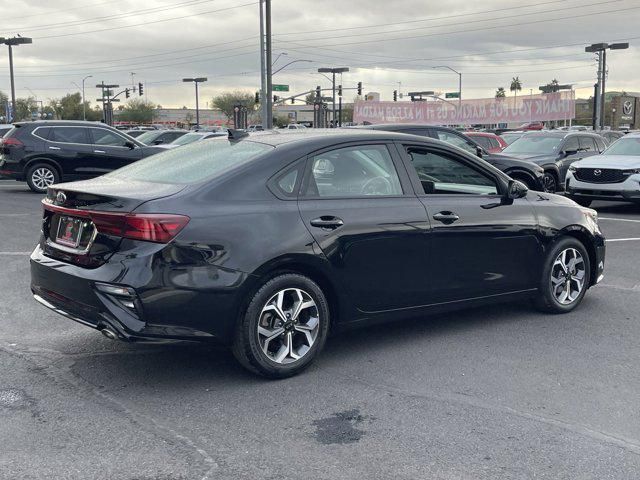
{"x": 196, "y": 81}
{"x": 333, "y": 72}
{"x": 459, "y": 83}
{"x": 13, "y": 42}
{"x": 84, "y": 107}
{"x": 601, "y": 50}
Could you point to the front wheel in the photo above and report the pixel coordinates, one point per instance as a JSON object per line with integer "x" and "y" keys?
{"x": 549, "y": 182}
{"x": 41, "y": 176}
{"x": 565, "y": 277}
{"x": 284, "y": 327}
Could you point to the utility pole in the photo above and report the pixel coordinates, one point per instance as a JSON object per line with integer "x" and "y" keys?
{"x": 603, "y": 81}
{"x": 269, "y": 83}
{"x": 196, "y": 81}
{"x": 84, "y": 107}
{"x": 263, "y": 73}
{"x": 333, "y": 72}
{"x": 11, "y": 42}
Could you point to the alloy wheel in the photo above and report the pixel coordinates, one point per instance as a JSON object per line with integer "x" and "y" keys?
{"x": 549, "y": 183}
{"x": 568, "y": 276}
{"x": 42, "y": 178}
{"x": 288, "y": 325}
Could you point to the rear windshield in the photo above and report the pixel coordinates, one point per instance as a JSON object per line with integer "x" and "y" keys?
{"x": 192, "y": 163}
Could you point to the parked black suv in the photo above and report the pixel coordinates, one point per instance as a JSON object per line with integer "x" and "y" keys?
{"x": 46, "y": 152}
{"x": 526, "y": 172}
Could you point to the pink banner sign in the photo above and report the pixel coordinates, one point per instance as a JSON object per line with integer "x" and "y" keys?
{"x": 543, "y": 107}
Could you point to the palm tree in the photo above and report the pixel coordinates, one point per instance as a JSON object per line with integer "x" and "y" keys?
{"x": 500, "y": 93}
{"x": 516, "y": 86}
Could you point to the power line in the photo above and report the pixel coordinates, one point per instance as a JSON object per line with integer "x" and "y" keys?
{"x": 146, "y": 23}
{"x": 133, "y": 13}
{"x": 572, "y": 17}
{"x": 53, "y": 12}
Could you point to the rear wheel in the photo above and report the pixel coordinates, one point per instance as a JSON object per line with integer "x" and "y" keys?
{"x": 549, "y": 182}
{"x": 41, "y": 176}
{"x": 284, "y": 327}
{"x": 565, "y": 277}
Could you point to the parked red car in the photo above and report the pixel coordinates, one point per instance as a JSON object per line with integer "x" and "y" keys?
{"x": 531, "y": 126}
{"x": 491, "y": 142}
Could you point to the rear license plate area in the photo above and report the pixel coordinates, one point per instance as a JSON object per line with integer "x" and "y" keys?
{"x": 69, "y": 232}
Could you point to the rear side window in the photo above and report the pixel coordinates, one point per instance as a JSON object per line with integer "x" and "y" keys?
{"x": 193, "y": 163}
{"x": 456, "y": 140}
{"x": 69, "y": 135}
{"x": 587, "y": 144}
{"x": 484, "y": 142}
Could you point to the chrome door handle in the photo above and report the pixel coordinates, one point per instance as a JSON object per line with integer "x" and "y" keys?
{"x": 99, "y": 151}
{"x": 328, "y": 222}
{"x": 446, "y": 217}
{"x": 54, "y": 148}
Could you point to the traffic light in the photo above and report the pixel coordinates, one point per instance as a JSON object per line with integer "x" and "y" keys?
{"x": 359, "y": 88}
{"x": 275, "y": 98}
{"x": 318, "y": 93}
{"x": 126, "y": 93}
{"x": 257, "y": 99}
{"x": 140, "y": 88}
{"x": 339, "y": 90}
{"x": 395, "y": 95}
{"x": 293, "y": 101}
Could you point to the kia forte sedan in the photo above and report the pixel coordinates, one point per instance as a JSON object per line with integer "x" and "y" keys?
{"x": 269, "y": 241}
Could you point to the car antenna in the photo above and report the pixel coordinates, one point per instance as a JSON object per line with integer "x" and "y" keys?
{"x": 237, "y": 134}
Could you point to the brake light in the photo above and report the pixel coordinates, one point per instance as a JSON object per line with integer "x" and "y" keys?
{"x": 149, "y": 227}
{"x": 10, "y": 141}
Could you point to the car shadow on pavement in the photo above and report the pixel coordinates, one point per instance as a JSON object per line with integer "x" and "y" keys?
{"x": 188, "y": 365}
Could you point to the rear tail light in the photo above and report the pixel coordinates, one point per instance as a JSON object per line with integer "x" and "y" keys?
{"x": 10, "y": 141}
{"x": 149, "y": 227}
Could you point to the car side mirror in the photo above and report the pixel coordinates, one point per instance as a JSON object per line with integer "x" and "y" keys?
{"x": 479, "y": 151}
{"x": 568, "y": 153}
{"x": 515, "y": 190}
{"x": 130, "y": 144}
{"x": 158, "y": 142}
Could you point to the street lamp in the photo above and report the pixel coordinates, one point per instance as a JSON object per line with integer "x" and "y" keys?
{"x": 84, "y": 107}
{"x": 196, "y": 81}
{"x": 459, "y": 83}
{"x": 333, "y": 72}
{"x": 601, "y": 50}
{"x": 13, "y": 42}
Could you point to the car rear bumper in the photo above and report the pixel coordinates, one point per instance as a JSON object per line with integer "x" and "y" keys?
{"x": 153, "y": 312}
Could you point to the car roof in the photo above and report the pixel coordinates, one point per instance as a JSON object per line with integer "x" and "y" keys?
{"x": 559, "y": 133}
{"x": 40, "y": 123}
{"x": 480, "y": 134}
{"x": 322, "y": 136}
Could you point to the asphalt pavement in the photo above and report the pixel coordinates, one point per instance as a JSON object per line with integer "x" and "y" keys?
{"x": 491, "y": 393}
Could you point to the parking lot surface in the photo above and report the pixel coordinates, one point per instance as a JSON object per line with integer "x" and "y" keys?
{"x": 490, "y": 393}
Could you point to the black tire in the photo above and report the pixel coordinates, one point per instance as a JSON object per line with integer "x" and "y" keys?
{"x": 247, "y": 348}
{"x": 39, "y": 175}
{"x": 546, "y": 300}
{"x": 530, "y": 184}
{"x": 549, "y": 182}
{"x": 584, "y": 202}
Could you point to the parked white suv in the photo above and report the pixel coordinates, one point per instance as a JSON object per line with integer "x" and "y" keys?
{"x": 614, "y": 175}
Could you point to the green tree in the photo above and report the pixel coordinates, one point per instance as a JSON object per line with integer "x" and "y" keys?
{"x": 24, "y": 108}
{"x": 137, "y": 110}
{"x": 516, "y": 86}
{"x": 500, "y": 93}
{"x": 227, "y": 100}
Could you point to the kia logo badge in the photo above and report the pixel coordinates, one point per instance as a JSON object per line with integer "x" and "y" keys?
{"x": 597, "y": 173}
{"x": 61, "y": 198}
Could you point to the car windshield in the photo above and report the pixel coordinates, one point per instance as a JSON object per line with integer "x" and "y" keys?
{"x": 193, "y": 163}
{"x": 188, "y": 138}
{"x": 624, "y": 146}
{"x": 148, "y": 137}
{"x": 535, "y": 144}
{"x": 511, "y": 137}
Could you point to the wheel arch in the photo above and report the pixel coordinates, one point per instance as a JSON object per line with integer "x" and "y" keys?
{"x": 35, "y": 160}
{"x": 519, "y": 173}
{"x": 310, "y": 266}
{"x": 583, "y": 236}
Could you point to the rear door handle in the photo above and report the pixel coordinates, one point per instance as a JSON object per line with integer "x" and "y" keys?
{"x": 328, "y": 222}
{"x": 99, "y": 151}
{"x": 446, "y": 217}
{"x": 54, "y": 148}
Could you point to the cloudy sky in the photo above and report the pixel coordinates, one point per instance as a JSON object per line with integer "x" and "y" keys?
{"x": 387, "y": 44}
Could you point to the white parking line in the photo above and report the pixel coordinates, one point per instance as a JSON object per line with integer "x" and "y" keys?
{"x": 620, "y": 219}
{"x": 637, "y": 239}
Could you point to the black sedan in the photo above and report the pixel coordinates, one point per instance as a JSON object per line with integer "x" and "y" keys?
{"x": 269, "y": 241}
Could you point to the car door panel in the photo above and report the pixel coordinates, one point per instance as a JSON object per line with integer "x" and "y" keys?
{"x": 70, "y": 147}
{"x": 377, "y": 244}
{"x": 106, "y": 156}
{"x": 479, "y": 246}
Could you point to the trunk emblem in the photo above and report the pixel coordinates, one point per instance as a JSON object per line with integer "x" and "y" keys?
{"x": 61, "y": 198}
{"x": 597, "y": 172}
